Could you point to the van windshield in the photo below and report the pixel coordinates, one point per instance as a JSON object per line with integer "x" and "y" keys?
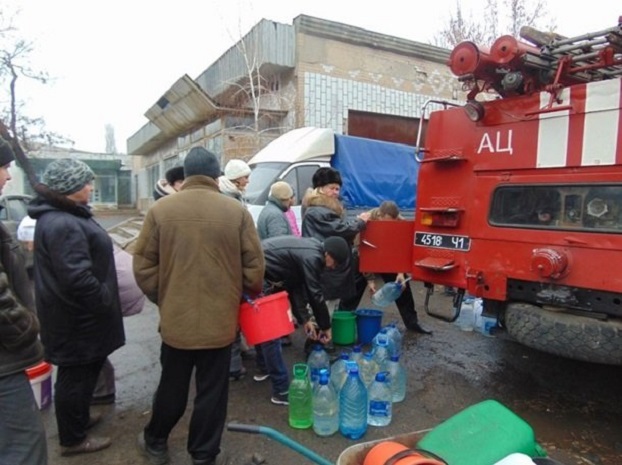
{"x": 261, "y": 178}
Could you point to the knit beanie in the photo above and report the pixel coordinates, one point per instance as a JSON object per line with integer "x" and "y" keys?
{"x": 338, "y": 248}
{"x": 6, "y": 152}
{"x": 67, "y": 175}
{"x": 201, "y": 162}
{"x": 174, "y": 174}
{"x": 324, "y": 176}
{"x": 236, "y": 169}
{"x": 280, "y": 190}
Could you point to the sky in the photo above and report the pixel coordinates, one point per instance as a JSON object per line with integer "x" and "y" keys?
{"x": 111, "y": 60}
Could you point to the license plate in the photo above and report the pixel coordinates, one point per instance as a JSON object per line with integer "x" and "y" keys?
{"x": 443, "y": 241}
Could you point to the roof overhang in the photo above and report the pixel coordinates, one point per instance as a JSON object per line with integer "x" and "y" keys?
{"x": 183, "y": 106}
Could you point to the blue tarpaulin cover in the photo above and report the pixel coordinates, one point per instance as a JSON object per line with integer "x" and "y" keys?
{"x": 373, "y": 171}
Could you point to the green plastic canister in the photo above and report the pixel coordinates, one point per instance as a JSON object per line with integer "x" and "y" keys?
{"x": 481, "y": 434}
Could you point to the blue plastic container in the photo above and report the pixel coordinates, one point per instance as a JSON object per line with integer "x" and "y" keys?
{"x": 368, "y": 324}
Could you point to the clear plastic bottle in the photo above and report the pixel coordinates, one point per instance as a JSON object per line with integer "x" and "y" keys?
{"x": 385, "y": 332}
{"x": 368, "y": 368}
{"x": 318, "y": 359}
{"x": 325, "y": 407}
{"x": 381, "y": 352}
{"x": 379, "y": 411}
{"x": 357, "y": 354}
{"x": 397, "y": 375}
{"x": 338, "y": 372}
{"x": 396, "y": 336}
{"x": 466, "y": 319}
{"x": 353, "y": 405}
{"x": 387, "y": 294}
{"x": 300, "y": 395}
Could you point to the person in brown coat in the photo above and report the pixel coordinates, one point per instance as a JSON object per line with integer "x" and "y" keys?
{"x": 196, "y": 255}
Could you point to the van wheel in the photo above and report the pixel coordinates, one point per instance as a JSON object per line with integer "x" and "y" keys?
{"x": 564, "y": 334}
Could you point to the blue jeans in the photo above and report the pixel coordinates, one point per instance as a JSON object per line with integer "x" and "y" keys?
{"x": 270, "y": 360}
{"x": 22, "y": 436}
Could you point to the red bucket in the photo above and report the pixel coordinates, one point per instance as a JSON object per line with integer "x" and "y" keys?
{"x": 266, "y": 318}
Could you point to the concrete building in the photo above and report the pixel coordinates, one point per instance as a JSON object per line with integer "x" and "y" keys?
{"x": 112, "y": 187}
{"x": 311, "y": 73}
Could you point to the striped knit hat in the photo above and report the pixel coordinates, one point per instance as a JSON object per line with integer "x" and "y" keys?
{"x": 67, "y": 175}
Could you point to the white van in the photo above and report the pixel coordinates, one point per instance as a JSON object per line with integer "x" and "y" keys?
{"x": 371, "y": 170}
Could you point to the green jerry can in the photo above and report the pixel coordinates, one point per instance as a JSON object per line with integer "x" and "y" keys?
{"x": 481, "y": 434}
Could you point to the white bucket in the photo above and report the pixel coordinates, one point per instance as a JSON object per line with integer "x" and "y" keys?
{"x": 516, "y": 459}
{"x": 40, "y": 377}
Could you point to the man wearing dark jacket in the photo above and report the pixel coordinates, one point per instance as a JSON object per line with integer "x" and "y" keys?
{"x": 77, "y": 297}
{"x": 22, "y": 436}
{"x": 296, "y": 264}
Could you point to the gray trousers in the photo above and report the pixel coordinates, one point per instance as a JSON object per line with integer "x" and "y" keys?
{"x": 22, "y": 435}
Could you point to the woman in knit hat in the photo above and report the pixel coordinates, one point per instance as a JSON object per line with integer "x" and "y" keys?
{"x": 77, "y": 298}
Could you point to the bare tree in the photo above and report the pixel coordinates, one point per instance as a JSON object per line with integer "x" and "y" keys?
{"x": 498, "y": 18}
{"x": 15, "y": 52}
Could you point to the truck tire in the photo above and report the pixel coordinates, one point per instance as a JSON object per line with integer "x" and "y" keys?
{"x": 565, "y": 334}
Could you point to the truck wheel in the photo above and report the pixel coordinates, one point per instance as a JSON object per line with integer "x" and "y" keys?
{"x": 564, "y": 334}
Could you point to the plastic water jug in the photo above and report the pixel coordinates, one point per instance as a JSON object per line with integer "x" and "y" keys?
{"x": 466, "y": 319}
{"x": 381, "y": 352}
{"x": 481, "y": 434}
{"x": 386, "y": 334}
{"x": 368, "y": 368}
{"x": 353, "y": 405}
{"x": 357, "y": 354}
{"x": 379, "y": 412}
{"x": 300, "y": 398}
{"x": 318, "y": 359}
{"x": 516, "y": 459}
{"x": 325, "y": 407}
{"x": 387, "y": 294}
{"x": 396, "y": 336}
{"x": 338, "y": 372}
{"x": 397, "y": 375}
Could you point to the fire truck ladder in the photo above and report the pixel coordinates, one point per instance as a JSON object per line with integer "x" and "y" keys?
{"x": 590, "y": 57}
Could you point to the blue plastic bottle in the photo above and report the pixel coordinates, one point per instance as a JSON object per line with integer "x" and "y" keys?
{"x": 387, "y": 294}
{"x": 379, "y": 412}
{"x": 325, "y": 407}
{"x": 318, "y": 360}
{"x": 353, "y": 405}
{"x": 338, "y": 372}
{"x": 397, "y": 376}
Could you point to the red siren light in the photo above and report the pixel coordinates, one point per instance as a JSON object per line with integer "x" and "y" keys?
{"x": 508, "y": 50}
{"x": 467, "y": 58}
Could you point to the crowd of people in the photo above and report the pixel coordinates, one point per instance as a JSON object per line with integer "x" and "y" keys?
{"x": 197, "y": 265}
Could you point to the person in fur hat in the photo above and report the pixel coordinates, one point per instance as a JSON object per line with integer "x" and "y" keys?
{"x": 324, "y": 216}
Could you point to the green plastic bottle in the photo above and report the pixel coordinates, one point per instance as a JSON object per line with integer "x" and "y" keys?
{"x": 300, "y": 398}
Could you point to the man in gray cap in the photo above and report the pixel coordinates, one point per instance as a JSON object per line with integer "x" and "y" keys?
{"x": 77, "y": 298}
{"x": 22, "y": 435}
{"x": 197, "y": 253}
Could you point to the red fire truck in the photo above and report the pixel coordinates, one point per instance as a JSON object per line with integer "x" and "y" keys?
{"x": 519, "y": 195}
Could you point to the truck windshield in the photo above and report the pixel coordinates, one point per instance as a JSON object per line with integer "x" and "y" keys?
{"x": 261, "y": 178}
{"x": 584, "y": 207}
